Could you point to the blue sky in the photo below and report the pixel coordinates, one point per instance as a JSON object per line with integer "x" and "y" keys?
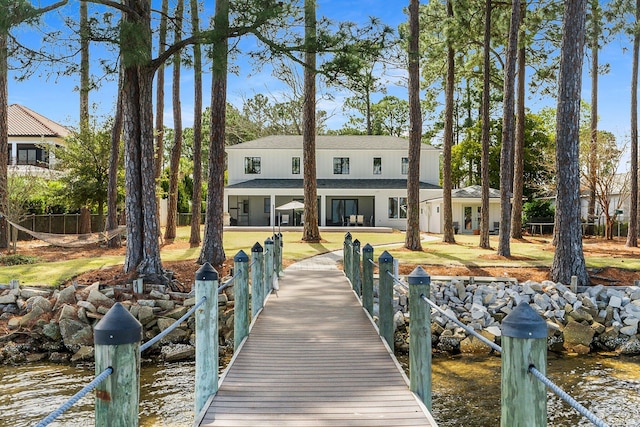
{"x": 56, "y": 98}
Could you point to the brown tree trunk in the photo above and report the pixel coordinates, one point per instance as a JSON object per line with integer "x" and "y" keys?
{"x": 176, "y": 149}
{"x": 518, "y": 157}
{"x": 159, "y": 132}
{"x": 212, "y": 248}
{"x": 632, "y": 234}
{"x": 84, "y": 68}
{"x": 196, "y": 199}
{"x": 85, "y": 221}
{"x": 484, "y": 165}
{"x": 447, "y": 210}
{"x": 508, "y": 134}
{"x": 412, "y": 237}
{"x": 114, "y": 162}
{"x": 568, "y": 259}
{"x": 593, "y": 143}
{"x": 4, "y": 138}
{"x": 311, "y": 233}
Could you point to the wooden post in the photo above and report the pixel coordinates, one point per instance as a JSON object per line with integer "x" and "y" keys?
{"x": 356, "y": 281}
{"x": 257, "y": 279}
{"x": 280, "y": 250}
{"x": 117, "y": 345}
{"x": 268, "y": 266}
{"x": 574, "y": 284}
{"x": 385, "y": 298}
{"x": 241, "y": 307}
{"x": 276, "y": 253}
{"x": 367, "y": 278}
{"x": 346, "y": 255}
{"x": 420, "y": 335}
{"x": 206, "y": 315}
{"x": 524, "y": 343}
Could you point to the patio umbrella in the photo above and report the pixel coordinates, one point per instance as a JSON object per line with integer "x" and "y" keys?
{"x": 292, "y": 205}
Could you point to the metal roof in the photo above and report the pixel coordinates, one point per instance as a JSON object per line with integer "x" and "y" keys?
{"x": 330, "y": 142}
{"x": 351, "y": 184}
{"x": 26, "y": 122}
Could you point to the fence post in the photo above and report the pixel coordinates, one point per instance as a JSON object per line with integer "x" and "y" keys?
{"x": 257, "y": 279}
{"x": 280, "y": 250}
{"x": 524, "y": 343}
{"x": 385, "y": 298}
{"x": 355, "y": 268}
{"x": 420, "y": 333}
{"x": 276, "y": 253}
{"x": 346, "y": 256}
{"x": 117, "y": 345}
{"x": 367, "y": 278}
{"x": 241, "y": 307}
{"x": 206, "y": 316}
{"x": 268, "y": 266}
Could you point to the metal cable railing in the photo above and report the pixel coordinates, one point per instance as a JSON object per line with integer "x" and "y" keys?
{"x": 173, "y": 326}
{"x": 532, "y": 369}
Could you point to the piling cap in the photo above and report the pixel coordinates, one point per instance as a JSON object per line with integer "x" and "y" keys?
{"x": 257, "y": 248}
{"x": 118, "y": 326}
{"x": 268, "y": 241}
{"x": 206, "y": 272}
{"x": 524, "y": 322}
{"x": 347, "y": 236}
{"x": 385, "y": 257}
{"x": 356, "y": 242}
{"x": 419, "y": 277}
{"x": 241, "y": 257}
{"x": 367, "y": 248}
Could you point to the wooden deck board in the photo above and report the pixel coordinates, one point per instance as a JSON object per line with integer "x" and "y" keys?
{"x": 314, "y": 359}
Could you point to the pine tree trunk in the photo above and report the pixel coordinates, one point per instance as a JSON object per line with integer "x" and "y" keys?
{"x": 568, "y": 259}
{"x": 447, "y": 186}
{"x": 632, "y": 234}
{"x": 176, "y": 149}
{"x": 508, "y": 134}
{"x": 84, "y": 68}
{"x": 4, "y": 138}
{"x": 412, "y": 238}
{"x": 85, "y": 221}
{"x": 518, "y": 158}
{"x": 593, "y": 143}
{"x": 196, "y": 200}
{"x": 484, "y": 166}
{"x": 159, "y": 127}
{"x": 311, "y": 232}
{"x": 114, "y": 157}
{"x": 212, "y": 248}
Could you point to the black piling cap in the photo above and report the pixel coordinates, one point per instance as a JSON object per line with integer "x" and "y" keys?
{"x": 118, "y": 326}
{"x": 385, "y": 257}
{"x": 268, "y": 241}
{"x": 279, "y": 235}
{"x": 367, "y": 248}
{"x": 347, "y": 236}
{"x": 241, "y": 257}
{"x": 356, "y": 242}
{"x": 419, "y": 277}
{"x": 206, "y": 272}
{"x": 257, "y": 248}
{"x": 524, "y": 322}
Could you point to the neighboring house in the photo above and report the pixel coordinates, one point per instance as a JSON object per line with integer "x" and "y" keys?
{"x": 29, "y": 134}
{"x": 365, "y": 176}
{"x": 465, "y": 205}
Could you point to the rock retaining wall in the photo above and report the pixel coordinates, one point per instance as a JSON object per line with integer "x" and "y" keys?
{"x": 58, "y": 325}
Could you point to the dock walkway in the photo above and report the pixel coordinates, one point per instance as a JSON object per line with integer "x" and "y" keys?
{"x": 313, "y": 358}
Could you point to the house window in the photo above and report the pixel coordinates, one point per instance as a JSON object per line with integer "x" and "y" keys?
{"x": 404, "y": 170}
{"x": 397, "y": 207}
{"x": 295, "y": 165}
{"x": 252, "y": 165}
{"x": 267, "y": 205}
{"x": 27, "y": 156}
{"x": 341, "y": 166}
{"x": 377, "y": 165}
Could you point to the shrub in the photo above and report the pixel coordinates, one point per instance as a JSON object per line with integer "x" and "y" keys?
{"x": 17, "y": 259}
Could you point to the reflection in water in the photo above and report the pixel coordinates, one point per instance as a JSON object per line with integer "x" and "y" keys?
{"x": 466, "y": 392}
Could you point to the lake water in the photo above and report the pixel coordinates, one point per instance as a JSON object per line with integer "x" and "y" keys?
{"x": 466, "y": 392}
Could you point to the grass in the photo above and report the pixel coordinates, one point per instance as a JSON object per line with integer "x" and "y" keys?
{"x": 533, "y": 253}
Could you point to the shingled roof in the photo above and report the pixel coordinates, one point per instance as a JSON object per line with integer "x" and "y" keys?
{"x": 26, "y": 122}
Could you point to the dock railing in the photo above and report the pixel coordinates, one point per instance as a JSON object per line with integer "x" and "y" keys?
{"x": 524, "y": 339}
{"x": 118, "y": 337}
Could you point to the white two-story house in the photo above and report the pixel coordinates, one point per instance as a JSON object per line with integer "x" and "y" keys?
{"x": 364, "y": 176}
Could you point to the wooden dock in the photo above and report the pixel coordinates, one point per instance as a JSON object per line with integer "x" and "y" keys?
{"x": 313, "y": 358}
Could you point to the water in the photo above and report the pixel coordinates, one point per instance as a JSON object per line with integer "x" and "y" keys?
{"x": 466, "y": 392}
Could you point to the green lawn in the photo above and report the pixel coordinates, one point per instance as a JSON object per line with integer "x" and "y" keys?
{"x": 465, "y": 252}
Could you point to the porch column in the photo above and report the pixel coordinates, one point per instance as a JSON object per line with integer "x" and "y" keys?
{"x": 14, "y": 154}
{"x": 225, "y": 202}
{"x": 272, "y": 211}
{"x": 323, "y": 210}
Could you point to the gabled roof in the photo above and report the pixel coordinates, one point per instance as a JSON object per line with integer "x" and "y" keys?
{"x": 471, "y": 192}
{"x": 330, "y": 142}
{"x": 26, "y": 122}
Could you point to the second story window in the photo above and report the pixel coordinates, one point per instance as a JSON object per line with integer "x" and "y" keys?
{"x": 252, "y": 165}
{"x": 377, "y": 165}
{"x": 404, "y": 170}
{"x": 295, "y": 165}
{"x": 341, "y": 166}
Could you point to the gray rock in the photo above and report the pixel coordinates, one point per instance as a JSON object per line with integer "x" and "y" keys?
{"x": 28, "y": 293}
{"x": 598, "y": 327}
{"x": 8, "y": 299}
{"x": 51, "y": 330}
{"x": 570, "y": 297}
{"x": 98, "y": 299}
{"x": 158, "y": 295}
{"x": 32, "y": 317}
{"x": 178, "y": 352}
{"x": 88, "y": 306}
{"x": 165, "y": 322}
{"x": 145, "y": 315}
{"x": 631, "y": 347}
{"x": 65, "y": 296}
{"x": 83, "y": 354}
{"x": 577, "y": 334}
{"x": 165, "y": 305}
{"x": 615, "y": 301}
{"x": 629, "y": 330}
{"x": 580, "y": 315}
{"x": 147, "y": 303}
